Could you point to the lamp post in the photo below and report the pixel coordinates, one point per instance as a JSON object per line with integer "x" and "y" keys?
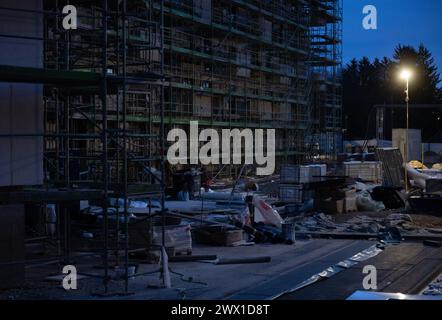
{"x": 406, "y": 75}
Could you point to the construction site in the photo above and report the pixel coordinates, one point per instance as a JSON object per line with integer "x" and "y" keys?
{"x": 86, "y": 188}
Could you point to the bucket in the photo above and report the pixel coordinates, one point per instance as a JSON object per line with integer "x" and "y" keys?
{"x": 131, "y": 270}
{"x": 288, "y": 232}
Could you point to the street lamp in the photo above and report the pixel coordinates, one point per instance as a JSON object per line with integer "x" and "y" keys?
{"x": 406, "y": 75}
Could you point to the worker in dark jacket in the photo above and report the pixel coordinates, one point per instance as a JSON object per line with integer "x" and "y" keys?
{"x": 206, "y": 178}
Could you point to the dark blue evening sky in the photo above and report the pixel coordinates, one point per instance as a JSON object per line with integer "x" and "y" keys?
{"x": 408, "y": 22}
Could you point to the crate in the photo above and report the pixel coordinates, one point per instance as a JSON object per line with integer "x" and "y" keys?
{"x": 302, "y": 174}
{"x": 294, "y": 174}
{"x": 367, "y": 171}
{"x": 317, "y": 171}
{"x": 290, "y": 193}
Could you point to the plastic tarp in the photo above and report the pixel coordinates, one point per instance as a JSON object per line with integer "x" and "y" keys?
{"x": 366, "y": 254}
{"x": 366, "y": 203}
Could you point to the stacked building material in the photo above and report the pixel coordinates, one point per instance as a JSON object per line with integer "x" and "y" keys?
{"x": 293, "y": 187}
{"x": 290, "y": 187}
{"x": 370, "y": 171}
{"x": 302, "y": 174}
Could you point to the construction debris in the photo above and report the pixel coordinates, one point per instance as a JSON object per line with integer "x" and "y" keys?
{"x": 435, "y": 288}
{"x": 313, "y": 199}
{"x": 363, "y": 224}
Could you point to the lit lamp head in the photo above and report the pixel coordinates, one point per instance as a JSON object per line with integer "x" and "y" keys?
{"x": 405, "y": 74}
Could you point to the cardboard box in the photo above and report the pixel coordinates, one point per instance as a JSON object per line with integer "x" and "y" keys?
{"x": 218, "y": 237}
{"x": 330, "y": 206}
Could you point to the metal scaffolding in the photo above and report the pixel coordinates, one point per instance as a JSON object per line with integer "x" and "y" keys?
{"x": 134, "y": 69}
{"x": 326, "y": 43}
{"x": 103, "y": 84}
{"x": 256, "y": 64}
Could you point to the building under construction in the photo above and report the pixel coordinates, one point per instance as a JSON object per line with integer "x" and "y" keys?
{"x": 85, "y": 111}
{"x": 257, "y": 64}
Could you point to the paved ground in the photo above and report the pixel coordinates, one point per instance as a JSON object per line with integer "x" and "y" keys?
{"x": 405, "y": 268}
{"x": 198, "y": 280}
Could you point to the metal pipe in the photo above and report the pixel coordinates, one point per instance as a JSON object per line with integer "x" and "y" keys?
{"x": 105, "y": 146}
{"x": 407, "y": 100}
{"x": 125, "y": 160}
